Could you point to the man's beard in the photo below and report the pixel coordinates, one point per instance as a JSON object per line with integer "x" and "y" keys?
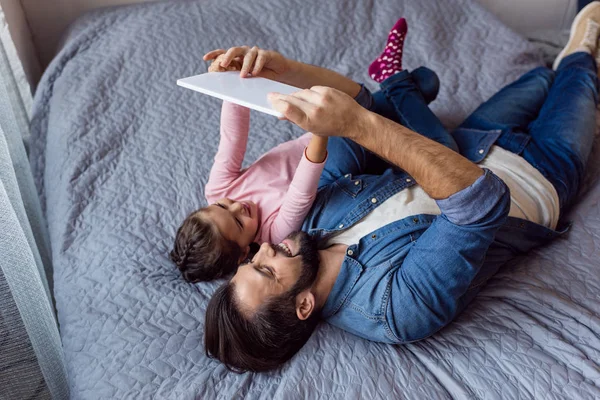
{"x": 309, "y": 254}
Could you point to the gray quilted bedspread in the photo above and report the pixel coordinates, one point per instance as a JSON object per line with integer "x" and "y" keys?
{"x": 121, "y": 155}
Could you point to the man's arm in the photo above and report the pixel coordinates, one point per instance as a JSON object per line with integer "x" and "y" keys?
{"x": 441, "y": 172}
{"x": 427, "y": 292}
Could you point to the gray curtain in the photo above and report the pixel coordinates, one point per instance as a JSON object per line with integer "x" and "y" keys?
{"x": 31, "y": 358}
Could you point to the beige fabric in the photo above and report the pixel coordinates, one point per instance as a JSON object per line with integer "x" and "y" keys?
{"x": 532, "y": 197}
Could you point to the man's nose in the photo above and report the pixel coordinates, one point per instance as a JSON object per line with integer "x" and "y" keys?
{"x": 267, "y": 249}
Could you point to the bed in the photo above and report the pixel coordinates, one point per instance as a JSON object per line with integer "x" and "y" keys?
{"x": 121, "y": 155}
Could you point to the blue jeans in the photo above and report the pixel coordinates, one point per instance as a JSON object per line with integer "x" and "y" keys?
{"x": 549, "y": 118}
{"x": 403, "y": 98}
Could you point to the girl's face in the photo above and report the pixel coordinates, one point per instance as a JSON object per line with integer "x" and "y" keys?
{"x": 236, "y": 220}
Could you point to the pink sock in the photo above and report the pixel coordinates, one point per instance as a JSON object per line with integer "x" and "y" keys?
{"x": 390, "y": 61}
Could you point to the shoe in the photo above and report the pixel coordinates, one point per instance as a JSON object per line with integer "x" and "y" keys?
{"x": 584, "y": 32}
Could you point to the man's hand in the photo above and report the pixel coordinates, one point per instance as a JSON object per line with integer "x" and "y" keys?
{"x": 441, "y": 172}
{"x": 258, "y": 62}
{"x": 321, "y": 110}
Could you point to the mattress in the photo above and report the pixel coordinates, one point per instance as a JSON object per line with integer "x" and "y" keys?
{"x": 121, "y": 156}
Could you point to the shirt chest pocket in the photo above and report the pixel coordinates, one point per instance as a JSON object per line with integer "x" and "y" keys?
{"x": 350, "y": 185}
{"x": 369, "y": 295}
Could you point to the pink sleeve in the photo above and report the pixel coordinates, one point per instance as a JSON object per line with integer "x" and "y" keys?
{"x": 235, "y": 124}
{"x": 298, "y": 199}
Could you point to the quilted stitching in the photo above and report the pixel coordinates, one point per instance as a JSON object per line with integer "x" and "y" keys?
{"x": 121, "y": 155}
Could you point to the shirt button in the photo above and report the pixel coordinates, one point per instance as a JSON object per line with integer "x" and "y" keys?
{"x": 356, "y": 183}
{"x": 408, "y": 180}
{"x": 347, "y": 176}
{"x": 341, "y": 226}
{"x": 373, "y": 236}
{"x": 481, "y": 151}
{"x": 350, "y": 252}
{"x": 373, "y": 200}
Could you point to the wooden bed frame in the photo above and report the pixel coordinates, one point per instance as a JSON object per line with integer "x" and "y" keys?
{"x": 37, "y": 25}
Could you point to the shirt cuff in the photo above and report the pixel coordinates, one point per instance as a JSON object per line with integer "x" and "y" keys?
{"x": 364, "y": 97}
{"x": 476, "y": 201}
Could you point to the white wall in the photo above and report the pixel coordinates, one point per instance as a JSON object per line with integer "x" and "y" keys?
{"x": 49, "y": 19}
{"x": 21, "y": 35}
{"x": 527, "y": 15}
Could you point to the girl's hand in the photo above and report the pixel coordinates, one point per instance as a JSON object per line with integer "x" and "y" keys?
{"x": 265, "y": 63}
{"x": 216, "y": 65}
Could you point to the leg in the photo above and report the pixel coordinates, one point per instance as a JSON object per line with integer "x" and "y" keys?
{"x": 563, "y": 134}
{"x": 514, "y": 106}
{"x": 346, "y": 157}
{"x": 426, "y": 81}
{"x": 404, "y": 97}
{"x": 401, "y": 101}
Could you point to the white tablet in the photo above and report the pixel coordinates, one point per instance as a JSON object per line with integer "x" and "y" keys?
{"x": 248, "y": 92}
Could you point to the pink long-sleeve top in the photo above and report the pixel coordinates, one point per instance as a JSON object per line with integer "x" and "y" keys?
{"x": 283, "y": 182}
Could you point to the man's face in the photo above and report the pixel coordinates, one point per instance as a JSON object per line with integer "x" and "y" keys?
{"x": 275, "y": 270}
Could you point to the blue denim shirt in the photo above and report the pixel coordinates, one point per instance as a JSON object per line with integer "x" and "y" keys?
{"x": 408, "y": 279}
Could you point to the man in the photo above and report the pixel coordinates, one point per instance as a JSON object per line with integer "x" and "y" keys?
{"x": 394, "y": 251}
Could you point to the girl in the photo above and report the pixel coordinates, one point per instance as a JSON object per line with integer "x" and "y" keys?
{"x": 270, "y": 199}
{"x": 272, "y": 196}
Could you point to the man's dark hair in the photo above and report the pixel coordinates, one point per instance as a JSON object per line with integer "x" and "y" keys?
{"x": 266, "y": 339}
{"x": 200, "y": 251}
{"x": 263, "y": 342}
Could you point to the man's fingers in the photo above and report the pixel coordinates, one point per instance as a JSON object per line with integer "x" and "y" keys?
{"x": 308, "y": 95}
{"x": 293, "y": 108}
{"x": 233, "y": 53}
{"x": 248, "y": 61}
{"x": 213, "y": 54}
{"x": 289, "y": 111}
{"x": 320, "y": 89}
{"x": 260, "y": 62}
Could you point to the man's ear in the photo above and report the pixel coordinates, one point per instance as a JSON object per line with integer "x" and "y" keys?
{"x": 305, "y": 304}
{"x": 244, "y": 254}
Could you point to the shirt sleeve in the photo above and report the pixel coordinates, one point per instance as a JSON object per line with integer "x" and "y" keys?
{"x": 298, "y": 199}
{"x": 439, "y": 268}
{"x": 235, "y": 124}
